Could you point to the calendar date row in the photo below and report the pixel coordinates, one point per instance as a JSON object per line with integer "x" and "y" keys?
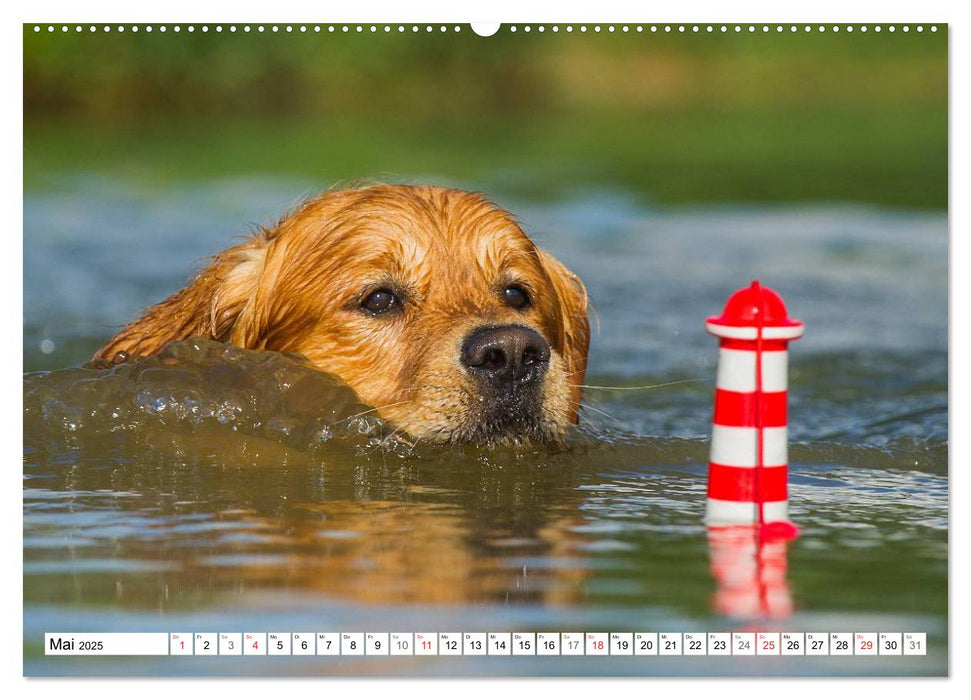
{"x": 489, "y": 644}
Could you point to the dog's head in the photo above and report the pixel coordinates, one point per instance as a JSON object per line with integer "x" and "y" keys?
{"x": 431, "y": 303}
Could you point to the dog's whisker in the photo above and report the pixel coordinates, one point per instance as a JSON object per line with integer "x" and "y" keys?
{"x": 386, "y": 440}
{"x": 597, "y": 410}
{"x": 584, "y": 418}
{"x": 392, "y": 435}
{"x": 584, "y": 435}
{"x": 378, "y": 408}
{"x": 635, "y": 388}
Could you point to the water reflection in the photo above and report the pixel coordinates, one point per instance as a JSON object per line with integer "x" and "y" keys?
{"x": 361, "y": 533}
{"x": 200, "y": 481}
{"x": 749, "y": 573}
{"x": 203, "y": 472}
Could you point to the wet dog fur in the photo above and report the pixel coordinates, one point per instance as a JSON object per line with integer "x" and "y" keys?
{"x": 431, "y": 303}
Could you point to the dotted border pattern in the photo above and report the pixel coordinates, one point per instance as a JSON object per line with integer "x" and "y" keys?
{"x": 513, "y": 28}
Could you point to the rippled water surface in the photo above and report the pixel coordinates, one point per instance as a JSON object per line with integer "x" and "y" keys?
{"x": 212, "y": 489}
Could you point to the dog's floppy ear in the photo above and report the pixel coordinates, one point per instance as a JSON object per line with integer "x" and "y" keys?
{"x": 217, "y": 304}
{"x": 572, "y": 298}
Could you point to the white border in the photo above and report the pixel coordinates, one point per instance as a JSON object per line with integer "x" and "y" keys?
{"x": 510, "y": 11}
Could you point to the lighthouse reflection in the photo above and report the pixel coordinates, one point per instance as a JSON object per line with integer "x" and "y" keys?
{"x": 749, "y": 572}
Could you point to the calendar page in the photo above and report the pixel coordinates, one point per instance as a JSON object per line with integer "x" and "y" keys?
{"x": 485, "y": 350}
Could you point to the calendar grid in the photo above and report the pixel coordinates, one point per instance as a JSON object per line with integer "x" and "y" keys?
{"x": 487, "y": 644}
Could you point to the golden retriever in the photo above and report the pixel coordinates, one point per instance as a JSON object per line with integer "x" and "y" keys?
{"x": 430, "y": 303}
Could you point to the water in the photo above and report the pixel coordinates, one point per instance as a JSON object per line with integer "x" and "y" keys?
{"x": 219, "y": 490}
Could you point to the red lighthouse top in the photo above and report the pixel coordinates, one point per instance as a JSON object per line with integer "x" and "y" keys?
{"x": 741, "y": 317}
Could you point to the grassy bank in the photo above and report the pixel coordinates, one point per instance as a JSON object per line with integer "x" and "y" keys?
{"x": 672, "y": 118}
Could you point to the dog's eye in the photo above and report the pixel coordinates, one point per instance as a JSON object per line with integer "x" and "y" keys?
{"x": 515, "y": 296}
{"x": 381, "y": 302}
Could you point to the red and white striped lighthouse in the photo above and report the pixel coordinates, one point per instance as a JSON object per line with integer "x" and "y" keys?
{"x": 747, "y": 470}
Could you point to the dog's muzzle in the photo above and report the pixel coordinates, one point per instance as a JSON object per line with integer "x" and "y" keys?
{"x": 508, "y": 364}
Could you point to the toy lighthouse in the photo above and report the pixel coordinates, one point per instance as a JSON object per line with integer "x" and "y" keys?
{"x": 747, "y": 470}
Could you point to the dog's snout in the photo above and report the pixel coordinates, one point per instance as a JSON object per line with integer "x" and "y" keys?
{"x": 506, "y": 355}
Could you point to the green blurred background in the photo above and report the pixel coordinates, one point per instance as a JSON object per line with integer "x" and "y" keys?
{"x": 706, "y": 117}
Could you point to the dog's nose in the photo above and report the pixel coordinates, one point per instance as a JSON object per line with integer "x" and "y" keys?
{"x": 506, "y": 355}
